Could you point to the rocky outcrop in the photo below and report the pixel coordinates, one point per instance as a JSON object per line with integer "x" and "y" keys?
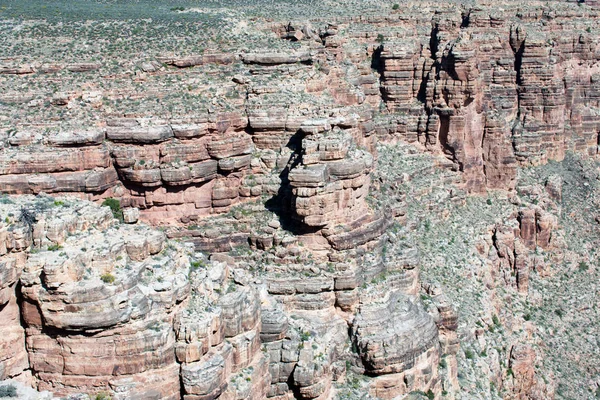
{"x": 397, "y": 340}
{"x": 300, "y": 271}
{"x": 331, "y": 181}
{"x": 116, "y": 308}
{"x": 488, "y": 88}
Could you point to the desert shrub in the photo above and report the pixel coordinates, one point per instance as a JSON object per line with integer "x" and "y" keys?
{"x": 443, "y": 363}
{"x": 198, "y": 264}
{"x": 5, "y": 200}
{"x": 495, "y": 320}
{"x": 559, "y": 312}
{"x": 107, "y": 278}
{"x": 28, "y": 217}
{"x": 8, "y": 391}
{"x": 102, "y": 396}
{"x": 115, "y": 207}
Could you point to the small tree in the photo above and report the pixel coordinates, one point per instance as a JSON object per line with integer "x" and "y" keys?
{"x": 115, "y": 207}
{"x": 27, "y": 217}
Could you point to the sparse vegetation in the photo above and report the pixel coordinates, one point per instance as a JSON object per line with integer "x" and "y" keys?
{"x": 102, "y": 396}
{"x": 54, "y": 247}
{"x": 115, "y": 207}
{"x": 108, "y": 278}
{"x": 495, "y": 320}
{"x": 27, "y": 217}
{"x": 8, "y": 391}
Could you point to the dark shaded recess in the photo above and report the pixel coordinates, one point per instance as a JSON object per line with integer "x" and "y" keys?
{"x": 519, "y": 62}
{"x": 433, "y": 41}
{"x": 378, "y": 65}
{"x": 281, "y": 203}
{"x": 422, "y": 93}
{"x": 447, "y": 64}
{"x": 292, "y": 386}
{"x": 468, "y": 101}
{"x": 376, "y": 61}
{"x": 443, "y": 135}
{"x": 466, "y": 19}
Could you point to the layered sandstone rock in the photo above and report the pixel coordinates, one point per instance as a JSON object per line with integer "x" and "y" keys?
{"x": 282, "y": 142}
{"x": 109, "y": 308}
{"x": 488, "y": 88}
{"x": 397, "y": 340}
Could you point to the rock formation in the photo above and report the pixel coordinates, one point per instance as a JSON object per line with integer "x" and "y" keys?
{"x": 273, "y": 194}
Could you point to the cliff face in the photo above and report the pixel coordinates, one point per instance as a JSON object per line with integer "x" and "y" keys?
{"x": 305, "y": 176}
{"x": 490, "y": 88}
{"x": 114, "y": 308}
{"x": 92, "y": 305}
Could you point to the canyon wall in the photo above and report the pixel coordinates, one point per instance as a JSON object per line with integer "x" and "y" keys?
{"x": 490, "y": 88}
{"x": 284, "y": 265}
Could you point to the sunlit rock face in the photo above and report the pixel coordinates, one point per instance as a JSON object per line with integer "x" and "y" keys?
{"x": 281, "y": 183}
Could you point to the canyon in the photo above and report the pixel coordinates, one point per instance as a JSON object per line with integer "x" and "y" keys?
{"x": 350, "y": 200}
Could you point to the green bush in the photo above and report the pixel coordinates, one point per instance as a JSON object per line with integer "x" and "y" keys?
{"x": 8, "y": 391}
{"x": 443, "y": 363}
{"x": 495, "y": 320}
{"x": 559, "y": 312}
{"x": 5, "y": 200}
{"x": 27, "y": 217}
{"x": 107, "y": 278}
{"x": 54, "y": 247}
{"x": 115, "y": 207}
{"x": 396, "y": 6}
{"x": 469, "y": 354}
{"x": 102, "y": 396}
